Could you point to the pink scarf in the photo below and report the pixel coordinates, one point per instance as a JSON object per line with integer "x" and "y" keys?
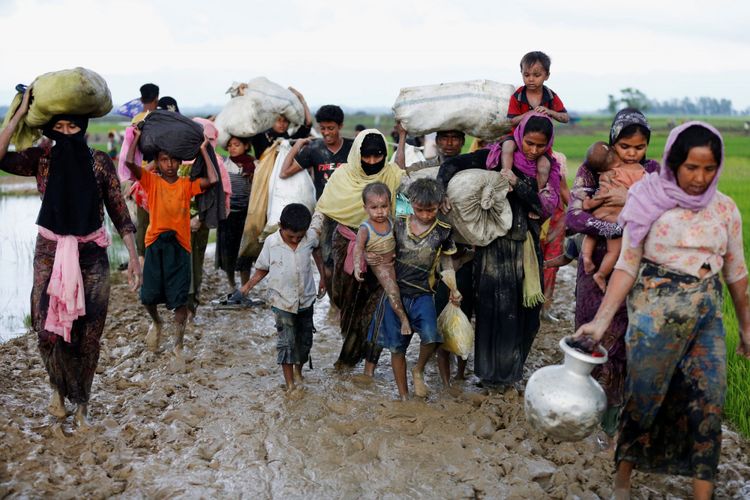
{"x": 66, "y": 295}
{"x": 526, "y": 166}
{"x": 123, "y": 172}
{"x": 658, "y": 192}
{"x": 212, "y": 134}
{"x": 349, "y": 261}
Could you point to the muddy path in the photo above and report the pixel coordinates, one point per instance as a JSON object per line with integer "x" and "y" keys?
{"x": 221, "y": 426}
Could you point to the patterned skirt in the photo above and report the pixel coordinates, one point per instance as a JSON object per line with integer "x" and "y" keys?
{"x": 71, "y": 366}
{"x": 676, "y": 380}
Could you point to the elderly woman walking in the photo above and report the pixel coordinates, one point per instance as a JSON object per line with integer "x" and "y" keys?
{"x": 680, "y": 235}
{"x": 70, "y": 294}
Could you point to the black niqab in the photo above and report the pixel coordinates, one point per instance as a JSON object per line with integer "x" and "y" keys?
{"x": 71, "y": 201}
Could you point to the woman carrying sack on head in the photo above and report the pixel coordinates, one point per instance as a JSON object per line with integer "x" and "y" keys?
{"x": 70, "y": 294}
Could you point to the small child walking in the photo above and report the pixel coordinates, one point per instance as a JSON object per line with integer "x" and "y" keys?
{"x": 167, "y": 264}
{"x": 286, "y": 260}
{"x": 532, "y": 96}
{"x": 375, "y": 235}
{"x": 422, "y": 242}
{"x": 612, "y": 173}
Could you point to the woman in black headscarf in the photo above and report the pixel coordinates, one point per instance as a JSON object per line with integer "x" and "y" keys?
{"x": 75, "y": 183}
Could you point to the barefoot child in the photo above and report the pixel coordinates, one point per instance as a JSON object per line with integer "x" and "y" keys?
{"x": 612, "y": 173}
{"x": 533, "y": 96}
{"x": 167, "y": 265}
{"x": 375, "y": 235}
{"x": 285, "y": 259}
{"x": 422, "y": 242}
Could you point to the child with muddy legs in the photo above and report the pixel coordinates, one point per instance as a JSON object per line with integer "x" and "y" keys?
{"x": 167, "y": 264}
{"x": 601, "y": 159}
{"x": 375, "y": 235}
{"x": 286, "y": 260}
{"x": 422, "y": 242}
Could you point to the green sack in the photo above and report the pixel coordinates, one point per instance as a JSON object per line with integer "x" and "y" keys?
{"x": 77, "y": 91}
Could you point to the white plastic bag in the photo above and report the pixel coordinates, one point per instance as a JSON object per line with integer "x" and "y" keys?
{"x": 477, "y": 107}
{"x": 453, "y": 325}
{"x": 255, "y": 109}
{"x": 298, "y": 188}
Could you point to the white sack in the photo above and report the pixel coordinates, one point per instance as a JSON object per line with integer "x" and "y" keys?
{"x": 298, "y": 188}
{"x": 480, "y": 210}
{"x": 255, "y": 109}
{"x": 476, "y": 107}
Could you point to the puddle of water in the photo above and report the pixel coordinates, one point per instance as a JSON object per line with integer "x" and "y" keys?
{"x": 17, "y": 239}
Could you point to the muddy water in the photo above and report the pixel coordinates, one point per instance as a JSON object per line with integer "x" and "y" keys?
{"x": 222, "y": 427}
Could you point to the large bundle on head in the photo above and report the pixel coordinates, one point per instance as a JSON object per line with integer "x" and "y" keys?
{"x": 77, "y": 91}
{"x": 477, "y": 107}
{"x": 181, "y": 137}
{"x": 480, "y": 209}
{"x": 255, "y": 108}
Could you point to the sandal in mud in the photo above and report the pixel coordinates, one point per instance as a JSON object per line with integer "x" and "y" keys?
{"x": 235, "y": 301}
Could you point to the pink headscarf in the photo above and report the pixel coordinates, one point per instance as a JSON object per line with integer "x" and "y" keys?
{"x": 212, "y": 134}
{"x": 658, "y": 192}
{"x": 526, "y": 166}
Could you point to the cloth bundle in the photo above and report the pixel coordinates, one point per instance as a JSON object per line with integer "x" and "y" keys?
{"x": 181, "y": 137}
{"x": 257, "y": 209}
{"x": 476, "y": 107}
{"x": 480, "y": 212}
{"x": 77, "y": 91}
{"x": 255, "y": 108}
{"x": 298, "y": 188}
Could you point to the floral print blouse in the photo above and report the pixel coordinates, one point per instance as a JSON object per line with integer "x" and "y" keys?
{"x": 684, "y": 240}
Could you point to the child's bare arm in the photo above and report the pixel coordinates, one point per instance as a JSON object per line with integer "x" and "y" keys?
{"x": 359, "y": 250}
{"x": 213, "y": 176}
{"x": 592, "y": 203}
{"x": 506, "y": 155}
{"x": 257, "y": 276}
{"x": 134, "y": 169}
{"x": 318, "y": 258}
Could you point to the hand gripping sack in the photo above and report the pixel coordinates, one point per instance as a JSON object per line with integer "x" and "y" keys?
{"x": 454, "y": 326}
{"x": 77, "y": 91}
{"x": 298, "y": 188}
{"x": 480, "y": 210}
{"x": 476, "y": 107}
{"x": 255, "y": 109}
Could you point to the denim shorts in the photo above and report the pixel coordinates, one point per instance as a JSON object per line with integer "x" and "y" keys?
{"x": 385, "y": 327}
{"x": 295, "y": 335}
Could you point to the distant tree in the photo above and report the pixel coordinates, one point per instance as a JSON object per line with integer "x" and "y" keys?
{"x": 629, "y": 98}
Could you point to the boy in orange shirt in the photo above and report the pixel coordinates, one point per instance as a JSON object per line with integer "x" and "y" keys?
{"x": 167, "y": 265}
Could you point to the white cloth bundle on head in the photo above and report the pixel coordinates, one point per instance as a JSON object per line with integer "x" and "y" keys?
{"x": 254, "y": 108}
{"x": 476, "y": 107}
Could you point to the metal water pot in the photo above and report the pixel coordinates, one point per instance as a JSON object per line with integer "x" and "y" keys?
{"x": 564, "y": 401}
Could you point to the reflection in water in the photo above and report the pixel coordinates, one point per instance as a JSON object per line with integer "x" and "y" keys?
{"x": 17, "y": 239}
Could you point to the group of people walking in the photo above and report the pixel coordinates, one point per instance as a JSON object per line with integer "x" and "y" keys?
{"x": 666, "y": 375}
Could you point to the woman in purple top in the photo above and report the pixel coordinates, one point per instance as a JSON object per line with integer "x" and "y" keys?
{"x": 629, "y": 137}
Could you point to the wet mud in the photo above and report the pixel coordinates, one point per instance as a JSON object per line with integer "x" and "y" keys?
{"x": 220, "y": 424}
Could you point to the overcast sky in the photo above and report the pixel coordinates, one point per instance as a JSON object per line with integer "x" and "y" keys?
{"x": 359, "y": 53}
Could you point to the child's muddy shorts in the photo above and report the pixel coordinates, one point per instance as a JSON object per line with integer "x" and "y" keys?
{"x": 295, "y": 335}
{"x": 166, "y": 272}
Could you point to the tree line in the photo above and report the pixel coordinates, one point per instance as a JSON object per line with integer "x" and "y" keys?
{"x": 635, "y": 98}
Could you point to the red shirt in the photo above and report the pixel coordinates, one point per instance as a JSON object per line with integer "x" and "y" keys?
{"x": 519, "y": 103}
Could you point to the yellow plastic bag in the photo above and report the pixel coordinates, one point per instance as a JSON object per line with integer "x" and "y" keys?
{"x": 454, "y": 326}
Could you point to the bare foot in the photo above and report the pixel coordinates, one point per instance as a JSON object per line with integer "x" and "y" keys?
{"x": 177, "y": 364}
{"x": 82, "y": 416}
{"x": 420, "y": 388}
{"x": 153, "y": 337}
{"x": 56, "y": 405}
{"x": 600, "y": 280}
{"x": 298, "y": 378}
{"x": 588, "y": 265}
